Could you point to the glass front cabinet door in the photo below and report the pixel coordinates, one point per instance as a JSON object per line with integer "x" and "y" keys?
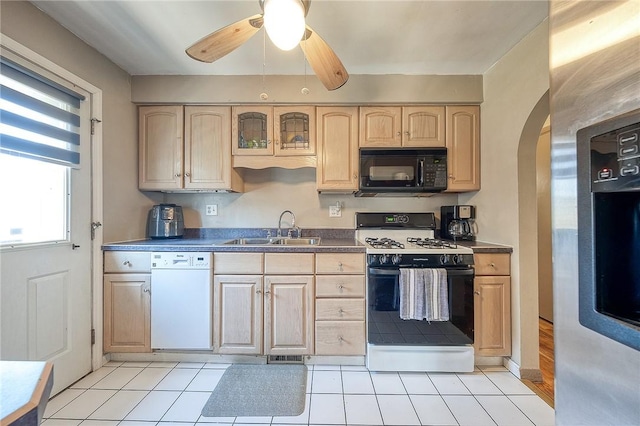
{"x": 294, "y": 130}
{"x": 252, "y": 130}
{"x": 266, "y": 130}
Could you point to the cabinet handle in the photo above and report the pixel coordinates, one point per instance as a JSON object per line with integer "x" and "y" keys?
{"x": 341, "y": 311}
{"x": 267, "y": 292}
{"x": 258, "y": 291}
{"x": 187, "y": 174}
{"x": 476, "y": 292}
{"x": 399, "y": 134}
{"x": 450, "y": 176}
{"x": 126, "y": 263}
{"x": 493, "y": 265}
{"x": 406, "y": 133}
{"x": 340, "y": 287}
{"x": 146, "y": 290}
{"x": 177, "y": 174}
{"x": 340, "y": 268}
{"x": 355, "y": 176}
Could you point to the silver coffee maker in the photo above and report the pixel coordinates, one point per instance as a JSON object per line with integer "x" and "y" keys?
{"x": 458, "y": 223}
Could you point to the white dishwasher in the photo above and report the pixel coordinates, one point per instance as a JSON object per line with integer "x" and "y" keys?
{"x": 181, "y": 300}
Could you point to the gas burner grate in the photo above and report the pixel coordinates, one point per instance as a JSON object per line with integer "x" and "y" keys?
{"x": 383, "y": 243}
{"x": 432, "y": 243}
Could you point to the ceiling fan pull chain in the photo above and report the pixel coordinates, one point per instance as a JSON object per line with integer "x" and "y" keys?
{"x": 264, "y": 95}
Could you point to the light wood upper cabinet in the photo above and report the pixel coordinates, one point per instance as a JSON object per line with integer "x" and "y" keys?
{"x": 463, "y": 145}
{"x": 380, "y": 127}
{"x": 337, "y": 168}
{"x": 201, "y": 160}
{"x": 423, "y": 126}
{"x": 283, "y": 131}
{"x": 410, "y": 126}
{"x": 289, "y": 315}
{"x": 160, "y": 147}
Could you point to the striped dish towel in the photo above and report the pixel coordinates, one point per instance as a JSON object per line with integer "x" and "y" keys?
{"x": 424, "y": 294}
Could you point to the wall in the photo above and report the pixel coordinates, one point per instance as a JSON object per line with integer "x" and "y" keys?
{"x": 123, "y": 203}
{"x": 545, "y": 271}
{"x": 512, "y": 89}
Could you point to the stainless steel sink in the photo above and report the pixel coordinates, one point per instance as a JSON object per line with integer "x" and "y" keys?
{"x": 251, "y": 241}
{"x": 299, "y": 241}
{"x": 275, "y": 241}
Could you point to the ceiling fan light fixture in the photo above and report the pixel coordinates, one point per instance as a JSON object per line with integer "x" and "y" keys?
{"x": 284, "y": 22}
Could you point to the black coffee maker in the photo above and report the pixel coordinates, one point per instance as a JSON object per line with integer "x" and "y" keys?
{"x": 458, "y": 223}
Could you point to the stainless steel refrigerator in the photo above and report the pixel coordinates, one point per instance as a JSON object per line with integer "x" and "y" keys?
{"x": 595, "y": 79}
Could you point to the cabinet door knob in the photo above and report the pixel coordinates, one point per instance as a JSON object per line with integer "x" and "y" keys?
{"x": 406, "y": 133}
{"x": 450, "y": 176}
{"x": 399, "y": 134}
{"x": 187, "y": 174}
{"x": 355, "y": 176}
{"x": 493, "y": 265}
{"x": 126, "y": 263}
{"x": 258, "y": 291}
{"x": 146, "y": 290}
{"x": 340, "y": 287}
{"x": 267, "y": 292}
{"x": 341, "y": 311}
{"x": 477, "y": 293}
{"x": 340, "y": 339}
{"x": 177, "y": 174}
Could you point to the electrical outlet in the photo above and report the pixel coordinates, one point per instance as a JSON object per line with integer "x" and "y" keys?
{"x": 335, "y": 211}
{"x": 211, "y": 210}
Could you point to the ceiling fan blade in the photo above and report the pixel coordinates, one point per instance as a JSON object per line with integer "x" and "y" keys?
{"x": 217, "y": 44}
{"x": 323, "y": 60}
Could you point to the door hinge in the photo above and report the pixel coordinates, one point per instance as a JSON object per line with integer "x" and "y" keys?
{"x": 93, "y": 336}
{"x": 93, "y": 125}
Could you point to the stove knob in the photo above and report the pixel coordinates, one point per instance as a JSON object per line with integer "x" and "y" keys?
{"x": 396, "y": 259}
{"x": 384, "y": 258}
{"x": 455, "y": 259}
{"x": 444, "y": 259}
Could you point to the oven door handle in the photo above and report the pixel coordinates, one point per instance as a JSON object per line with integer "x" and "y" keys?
{"x": 382, "y": 271}
{"x": 460, "y": 272}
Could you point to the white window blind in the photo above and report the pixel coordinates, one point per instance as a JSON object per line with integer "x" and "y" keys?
{"x": 39, "y": 118}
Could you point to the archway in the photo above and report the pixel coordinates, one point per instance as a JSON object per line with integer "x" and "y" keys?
{"x": 528, "y": 236}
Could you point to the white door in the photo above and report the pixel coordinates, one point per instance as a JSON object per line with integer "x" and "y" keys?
{"x": 46, "y": 289}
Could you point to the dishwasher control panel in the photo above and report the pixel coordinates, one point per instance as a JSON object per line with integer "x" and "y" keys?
{"x": 181, "y": 260}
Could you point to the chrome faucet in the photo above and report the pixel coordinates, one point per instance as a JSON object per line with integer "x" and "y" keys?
{"x": 293, "y": 222}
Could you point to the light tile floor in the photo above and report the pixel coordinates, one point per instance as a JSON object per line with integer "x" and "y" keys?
{"x": 171, "y": 393}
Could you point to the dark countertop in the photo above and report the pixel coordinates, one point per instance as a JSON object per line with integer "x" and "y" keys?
{"x": 483, "y": 247}
{"x": 331, "y": 240}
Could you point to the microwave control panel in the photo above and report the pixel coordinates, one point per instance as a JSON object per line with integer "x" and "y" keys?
{"x": 435, "y": 173}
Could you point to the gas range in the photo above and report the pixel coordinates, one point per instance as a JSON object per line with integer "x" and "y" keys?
{"x": 407, "y": 240}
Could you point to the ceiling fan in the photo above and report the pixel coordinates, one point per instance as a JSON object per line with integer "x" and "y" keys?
{"x": 323, "y": 60}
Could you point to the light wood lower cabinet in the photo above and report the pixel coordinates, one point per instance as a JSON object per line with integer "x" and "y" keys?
{"x": 340, "y": 304}
{"x": 127, "y": 313}
{"x": 492, "y": 306}
{"x": 288, "y": 327}
{"x": 237, "y": 311}
{"x": 127, "y": 301}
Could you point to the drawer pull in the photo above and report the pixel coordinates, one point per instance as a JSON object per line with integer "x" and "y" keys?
{"x": 146, "y": 290}
{"x": 477, "y": 293}
{"x": 341, "y": 311}
{"x": 340, "y": 339}
{"x": 126, "y": 263}
{"x": 340, "y": 268}
{"x": 493, "y": 265}
{"x": 340, "y": 287}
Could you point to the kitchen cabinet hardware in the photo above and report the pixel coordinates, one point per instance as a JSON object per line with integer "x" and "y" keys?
{"x": 74, "y": 246}
{"x": 126, "y": 263}
{"x": 477, "y": 293}
{"x": 146, "y": 290}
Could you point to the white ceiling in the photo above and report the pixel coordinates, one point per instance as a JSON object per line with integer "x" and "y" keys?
{"x": 370, "y": 37}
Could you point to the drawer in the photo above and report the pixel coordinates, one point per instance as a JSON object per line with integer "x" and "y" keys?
{"x": 492, "y": 263}
{"x": 340, "y": 263}
{"x": 340, "y": 338}
{"x": 238, "y": 263}
{"x": 127, "y": 261}
{"x": 340, "y": 309}
{"x": 340, "y": 286}
{"x": 288, "y": 263}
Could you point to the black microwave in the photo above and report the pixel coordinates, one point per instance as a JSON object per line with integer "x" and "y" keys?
{"x": 401, "y": 170}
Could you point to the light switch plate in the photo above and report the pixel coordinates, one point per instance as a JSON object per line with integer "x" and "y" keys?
{"x": 211, "y": 210}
